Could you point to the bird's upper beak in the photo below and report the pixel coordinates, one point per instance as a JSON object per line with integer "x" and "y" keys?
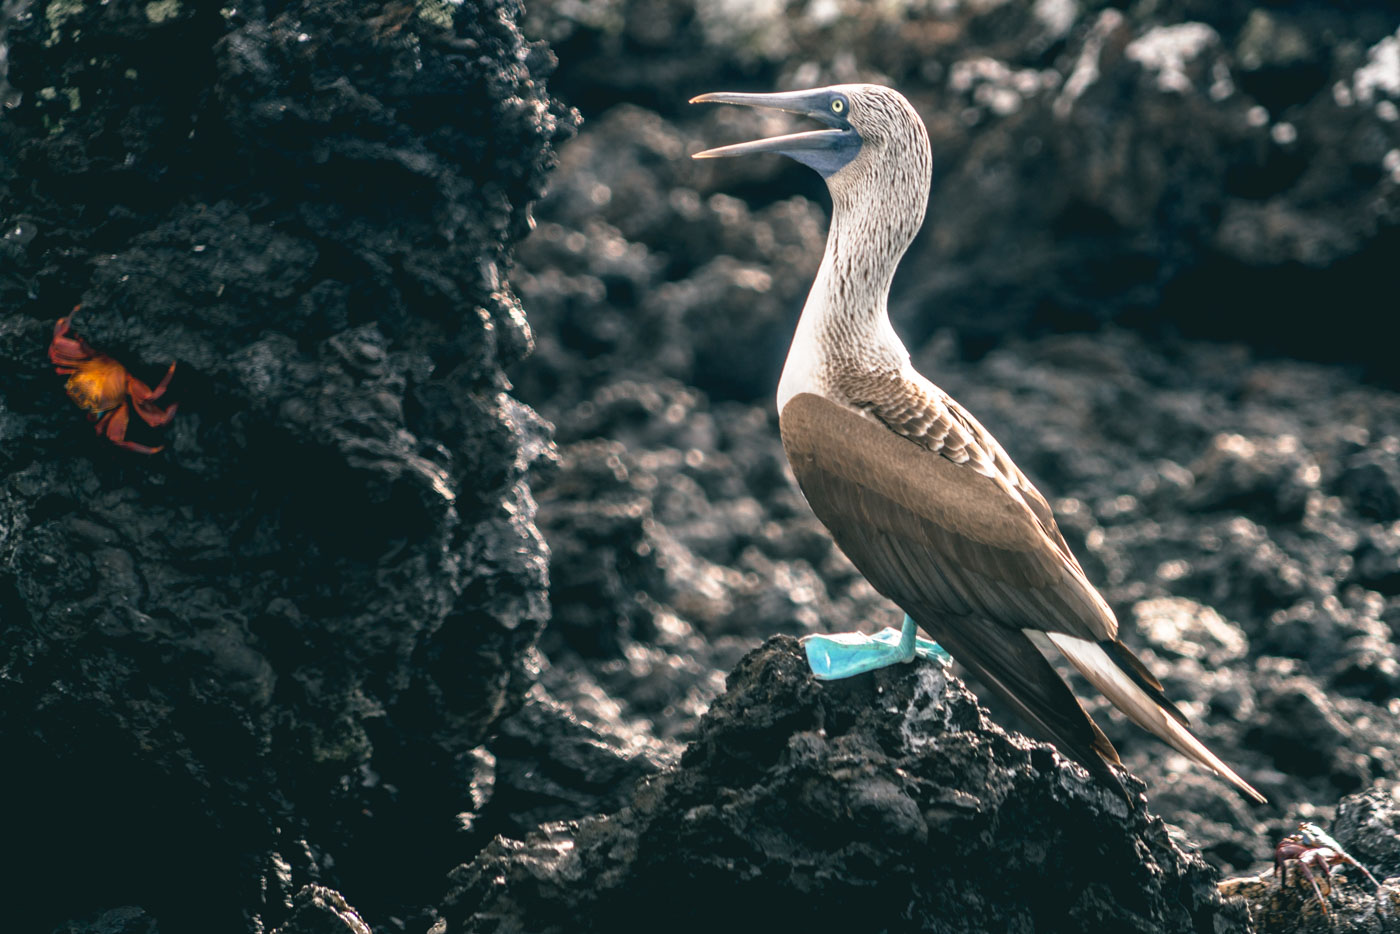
{"x": 814, "y": 104}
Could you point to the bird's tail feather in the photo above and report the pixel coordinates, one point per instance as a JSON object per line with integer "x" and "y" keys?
{"x": 1107, "y": 674}
{"x": 1136, "y": 670}
{"x": 1014, "y": 667}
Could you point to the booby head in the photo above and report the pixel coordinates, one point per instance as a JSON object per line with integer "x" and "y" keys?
{"x": 875, "y": 146}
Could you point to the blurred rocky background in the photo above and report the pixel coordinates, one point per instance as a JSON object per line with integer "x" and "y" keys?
{"x": 291, "y": 671}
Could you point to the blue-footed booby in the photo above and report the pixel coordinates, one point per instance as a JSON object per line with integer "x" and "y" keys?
{"x": 921, "y": 498}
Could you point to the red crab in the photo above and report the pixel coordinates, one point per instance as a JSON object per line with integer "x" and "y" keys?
{"x": 105, "y": 390}
{"x": 1311, "y": 848}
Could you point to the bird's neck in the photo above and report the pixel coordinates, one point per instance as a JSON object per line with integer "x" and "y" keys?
{"x": 864, "y": 246}
{"x": 845, "y": 325}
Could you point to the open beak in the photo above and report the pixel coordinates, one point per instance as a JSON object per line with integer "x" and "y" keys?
{"x": 814, "y": 104}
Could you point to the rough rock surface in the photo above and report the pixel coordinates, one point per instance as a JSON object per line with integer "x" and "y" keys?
{"x": 126, "y": 920}
{"x": 319, "y": 910}
{"x": 881, "y": 803}
{"x": 264, "y": 656}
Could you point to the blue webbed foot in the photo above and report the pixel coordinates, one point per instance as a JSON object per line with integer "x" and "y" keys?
{"x": 845, "y": 654}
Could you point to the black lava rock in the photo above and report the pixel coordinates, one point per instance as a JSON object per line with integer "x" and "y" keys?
{"x": 1370, "y": 482}
{"x": 264, "y": 657}
{"x": 882, "y": 803}
{"x": 1368, "y": 825}
{"x": 554, "y": 760}
{"x": 1269, "y": 478}
{"x": 128, "y": 920}
{"x": 319, "y": 910}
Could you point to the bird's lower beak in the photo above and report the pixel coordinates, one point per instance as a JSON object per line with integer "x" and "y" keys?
{"x": 812, "y": 104}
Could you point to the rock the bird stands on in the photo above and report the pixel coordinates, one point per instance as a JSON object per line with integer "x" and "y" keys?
{"x": 919, "y": 495}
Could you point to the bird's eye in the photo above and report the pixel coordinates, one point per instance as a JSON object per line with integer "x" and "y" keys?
{"x": 838, "y": 106}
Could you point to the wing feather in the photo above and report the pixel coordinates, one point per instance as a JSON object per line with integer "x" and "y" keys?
{"x": 916, "y": 409}
{"x": 969, "y": 547}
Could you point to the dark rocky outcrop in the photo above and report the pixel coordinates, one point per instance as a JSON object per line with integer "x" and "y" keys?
{"x": 319, "y": 910}
{"x": 881, "y": 803}
{"x": 263, "y": 657}
{"x": 1368, "y": 825}
{"x": 125, "y": 920}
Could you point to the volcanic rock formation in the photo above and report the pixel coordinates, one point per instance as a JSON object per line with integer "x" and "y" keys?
{"x": 264, "y": 657}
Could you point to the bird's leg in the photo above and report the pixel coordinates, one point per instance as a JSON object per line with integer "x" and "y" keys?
{"x": 844, "y": 654}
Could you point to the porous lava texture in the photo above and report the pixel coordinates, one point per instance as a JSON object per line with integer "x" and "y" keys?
{"x": 886, "y": 803}
{"x": 263, "y": 657}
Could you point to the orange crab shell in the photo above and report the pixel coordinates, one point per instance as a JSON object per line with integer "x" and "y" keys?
{"x": 103, "y": 388}
{"x": 98, "y": 386}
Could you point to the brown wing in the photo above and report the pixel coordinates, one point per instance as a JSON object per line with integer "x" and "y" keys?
{"x": 924, "y": 414}
{"x": 969, "y": 563}
{"x": 930, "y": 418}
{"x": 924, "y": 529}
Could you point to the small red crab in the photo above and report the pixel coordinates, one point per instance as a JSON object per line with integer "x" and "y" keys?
{"x": 1311, "y": 848}
{"x": 105, "y": 390}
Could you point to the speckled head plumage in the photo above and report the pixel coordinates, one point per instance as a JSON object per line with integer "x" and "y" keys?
{"x": 892, "y": 135}
{"x": 875, "y": 158}
{"x": 890, "y": 173}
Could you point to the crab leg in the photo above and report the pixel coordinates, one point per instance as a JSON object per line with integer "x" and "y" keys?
{"x": 142, "y": 396}
{"x": 138, "y": 448}
{"x": 67, "y": 351}
{"x": 1351, "y": 861}
{"x": 1316, "y": 891}
{"x": 114, "y": 425}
